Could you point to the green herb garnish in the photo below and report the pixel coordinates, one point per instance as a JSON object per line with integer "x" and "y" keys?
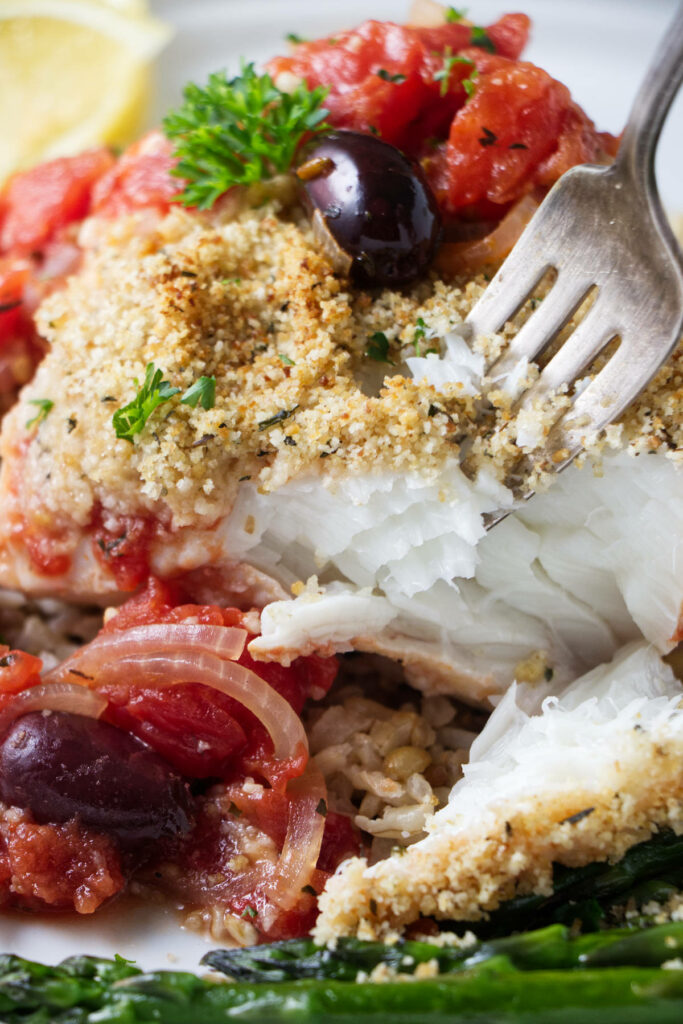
{"x": 378, "y": 348}
{"x": 131, "y": 419}
{"x": 285, "y": 360}
{"x": 293, "y": 37}
{"x": 44, "y": 406}
{"x": 455, "y": 14}
{"x": 279, "y": 417}
{"x": 470, "y": 83}
{"x": 249, "y": 912}
{"x": 481, "y": 38}
{"x": 388, "y": 77}
{"x": 202, "y": 392}
{"x": 239, "y": 131}
{"x": 449, "y": 61}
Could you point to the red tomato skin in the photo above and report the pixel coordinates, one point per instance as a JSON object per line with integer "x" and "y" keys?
{"x": 172, "y": 720}
{"x": 520, "y": 129}
{"x": 122, "y": 547}
{"x": 510, "y": 34}
{"x": 381, "y": 75}
{"x": 18, "y": 671}
{"x": 36, "y": 204}
{"x": 140, "y": 179}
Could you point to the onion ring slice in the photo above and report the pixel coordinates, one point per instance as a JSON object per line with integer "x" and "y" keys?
{"x": 167, "y": 664}
{"x": 59, "y": 696}
{"x": 225, "y": 641}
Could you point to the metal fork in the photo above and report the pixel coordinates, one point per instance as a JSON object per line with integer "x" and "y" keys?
{"x": 604, "y": 228}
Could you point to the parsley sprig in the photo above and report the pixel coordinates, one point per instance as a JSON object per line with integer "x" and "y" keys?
{"x": 132, "y": 418}
{"x": 45, "y": 406}
{"x": 239, "y": 131}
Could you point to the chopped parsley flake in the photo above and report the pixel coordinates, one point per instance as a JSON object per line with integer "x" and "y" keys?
{"x": 279, "y": 417}
{"x": 249, "y": 911}
{"x": 292, "y": 37}
{"x": 388, "y": 77}
{"x": 489, "y": 138}
{"x": 44, "y": 406}
{"x": 202, "y": 392}
{"x": 239, "y": 131}
{"x": 455, "y": 14}
{"x": 131, "y": 419}
{"x": 482, "y": 39}
{"x": 470, "y": 84}
{"x": 378, "y": 348}
{"x": 444, "y": 73}
{"x": 423, "y": 332}
{"x": 285, "y": 360}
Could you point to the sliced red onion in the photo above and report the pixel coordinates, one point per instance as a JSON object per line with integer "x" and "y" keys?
{"x": 160, "y": 663}
{"x": 56, "y": 696}
{"x": 225, "y": 641}
{"x": 301, "y": 847}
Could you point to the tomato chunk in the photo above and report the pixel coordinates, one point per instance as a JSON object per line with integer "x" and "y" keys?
{"x": 520, "y": 129}
{"x": 141, "y": 178}
{"x": 36, "y": 204}
{"x": 201, "y": 732}
{"x": 18, "y": 670}
{"x": 384, "y": 78}
{"x": 121, "y": 545}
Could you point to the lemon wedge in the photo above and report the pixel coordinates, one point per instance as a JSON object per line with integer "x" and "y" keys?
{"x": 73, "y": 74}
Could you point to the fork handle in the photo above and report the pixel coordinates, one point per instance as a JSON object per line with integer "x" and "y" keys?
{"x": 657, "y": 91}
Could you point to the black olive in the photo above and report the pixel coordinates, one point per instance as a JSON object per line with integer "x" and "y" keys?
{"x": 62, "y": 766}
{"x": 375, "y": 204}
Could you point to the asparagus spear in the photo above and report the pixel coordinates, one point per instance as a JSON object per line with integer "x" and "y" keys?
{"x": 523, "y": 979}
{"x": 490, "y": 992}
{"x": 587, "y": 893}
{"x": 552, "y": 947}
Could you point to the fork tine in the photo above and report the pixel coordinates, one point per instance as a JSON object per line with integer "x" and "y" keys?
{"x": 556, "y": 310}
{"x": 508, "y": 291}
{"x": 608, "y": 394}
{"x": 579, "y": 350}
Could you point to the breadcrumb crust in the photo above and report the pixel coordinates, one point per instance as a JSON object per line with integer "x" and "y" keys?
{"x": 465, "y": 876}
{"x": 251, "y": 301}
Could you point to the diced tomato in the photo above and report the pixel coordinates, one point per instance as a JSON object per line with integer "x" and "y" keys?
{"x": 141, "y": 178}
{"x": 510, "y": 35}
{"x": 502, "y": 142}
{"x": 14, "y": 275}
{"x": 46, "y": 551}
{"x": 233, "y": 741}
{"x": 374, "y": 73}
{"x": 121, "y": 545}
{"x": 341, "y": 840}
{"x": 56, "y": 867}
{"x": 18, "y": 671}
{"x": 381, "y": 76}
{"x": 193, "y": 727}
{"x": 35, "y": 204}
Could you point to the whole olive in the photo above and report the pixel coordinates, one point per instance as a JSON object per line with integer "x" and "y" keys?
{"x": 375, "y": 204}
{"x": 60, "y": 766}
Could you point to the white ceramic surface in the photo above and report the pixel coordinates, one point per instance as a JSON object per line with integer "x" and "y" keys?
{"x": 600, "y": 48}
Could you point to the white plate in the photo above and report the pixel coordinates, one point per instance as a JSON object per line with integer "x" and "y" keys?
{"x": 599, "y": 48}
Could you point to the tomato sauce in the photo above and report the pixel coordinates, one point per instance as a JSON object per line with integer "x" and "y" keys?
{"x": 64, "y": 866}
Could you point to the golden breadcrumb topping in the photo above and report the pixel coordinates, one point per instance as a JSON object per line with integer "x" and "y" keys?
{"x": 252, "y": 303}
{"x": 310, "y": 375}
{"x": 464, "y": 875}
